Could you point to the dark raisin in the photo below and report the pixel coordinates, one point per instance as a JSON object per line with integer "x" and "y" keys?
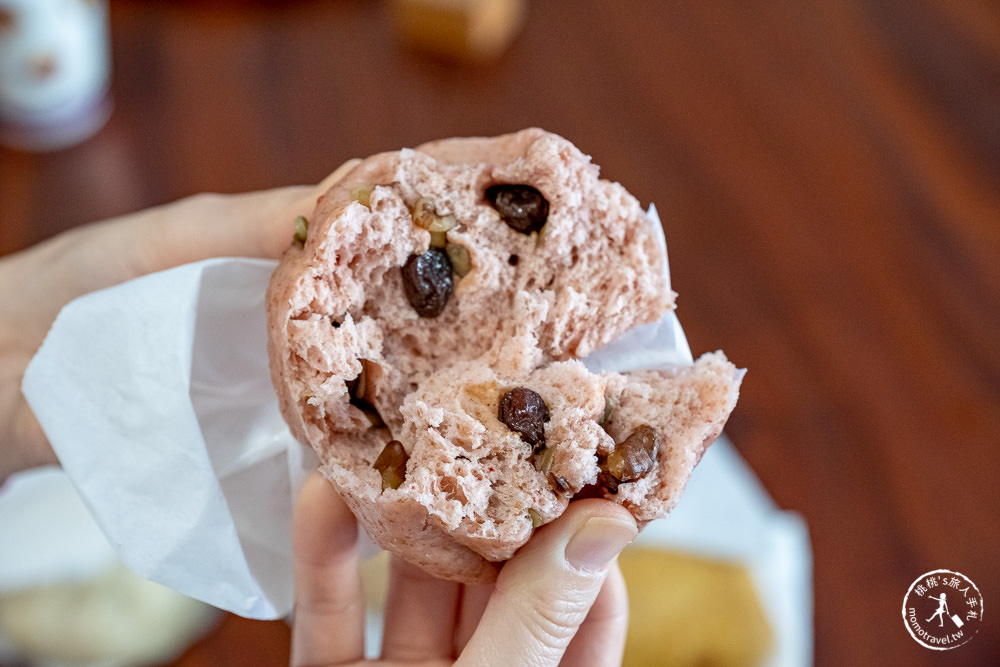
{"x": 391, "y": 463}
{"x": 361, "y": 391}
{"x": 521, "y": 207}
{"x": 512, "y": 260}
{"x": 632, "y": 459}
{"x": 524, "y": 411}
{"x": 427, "y": 282}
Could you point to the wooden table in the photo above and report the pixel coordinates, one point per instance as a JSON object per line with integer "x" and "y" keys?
{"x": 828, "y": 174}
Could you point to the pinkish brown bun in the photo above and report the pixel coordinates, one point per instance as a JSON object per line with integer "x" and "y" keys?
{"x": 425, "y": 330}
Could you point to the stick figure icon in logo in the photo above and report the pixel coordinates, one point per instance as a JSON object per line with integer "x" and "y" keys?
{"x": 941, "y": 610}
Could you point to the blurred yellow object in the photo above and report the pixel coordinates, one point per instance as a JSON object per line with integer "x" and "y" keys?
{"x": 472, "y": 30}
{"x": 375, "y": 580}
{"x": 689, "y": 610}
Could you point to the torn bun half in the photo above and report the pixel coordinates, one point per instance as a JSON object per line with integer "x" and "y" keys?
{"x": 425, "y": 332}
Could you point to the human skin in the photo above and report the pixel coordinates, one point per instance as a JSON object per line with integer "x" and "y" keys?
{"x": 560, "y": 600}
{"x": 37, "y": 282}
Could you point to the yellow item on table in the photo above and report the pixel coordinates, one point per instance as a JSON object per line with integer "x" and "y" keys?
{"x": 689, "y": 610}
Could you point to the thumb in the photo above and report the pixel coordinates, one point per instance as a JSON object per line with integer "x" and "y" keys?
{"x": 544, "y": 592}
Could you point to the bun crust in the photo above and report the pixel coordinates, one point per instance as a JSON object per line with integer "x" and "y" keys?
{"x": 355, "y": 364}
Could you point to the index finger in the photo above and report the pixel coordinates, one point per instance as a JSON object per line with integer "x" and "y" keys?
{"x": 329, "y": 623}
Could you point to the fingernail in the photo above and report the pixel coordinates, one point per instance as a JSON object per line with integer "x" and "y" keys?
{"x": 597, "y": 542}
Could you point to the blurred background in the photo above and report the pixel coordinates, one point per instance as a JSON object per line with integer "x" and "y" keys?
{"x": 827, "y": 173}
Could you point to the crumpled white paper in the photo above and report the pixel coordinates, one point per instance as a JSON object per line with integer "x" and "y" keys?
{"x": 156, "y": 396}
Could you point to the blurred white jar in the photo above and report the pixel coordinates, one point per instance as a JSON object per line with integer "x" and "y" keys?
{"x": 54, "y": 72}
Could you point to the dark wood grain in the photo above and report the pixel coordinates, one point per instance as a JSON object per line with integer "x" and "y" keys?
{"x": 828, "y": 173}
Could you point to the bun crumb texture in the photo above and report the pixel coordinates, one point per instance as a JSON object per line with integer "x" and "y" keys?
{"x": 425, "y": 331}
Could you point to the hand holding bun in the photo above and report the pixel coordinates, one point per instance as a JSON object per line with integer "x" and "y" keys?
{"x": 425, "y": 331}
{"x": 35, "y": 283}
{"x": 560, "y": 601}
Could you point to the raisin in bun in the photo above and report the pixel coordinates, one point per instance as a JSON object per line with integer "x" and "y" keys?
{"x": 425, "y": 330}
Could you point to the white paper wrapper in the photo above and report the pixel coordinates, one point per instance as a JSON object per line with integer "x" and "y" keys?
{"x": 156, "y": 397}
